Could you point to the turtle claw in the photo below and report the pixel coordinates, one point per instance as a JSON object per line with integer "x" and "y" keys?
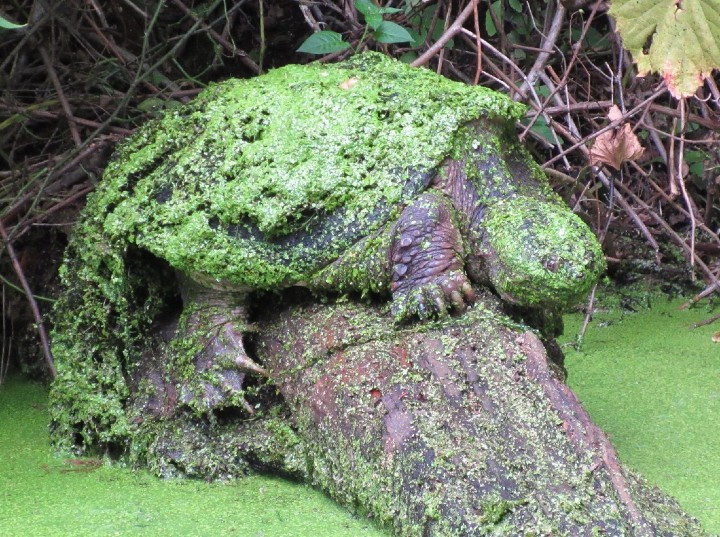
{"x": 433, "y": 299}
{"x": 245, "y": 363}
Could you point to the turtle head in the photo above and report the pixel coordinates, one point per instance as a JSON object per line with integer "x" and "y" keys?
{"x": 538, "y": 253}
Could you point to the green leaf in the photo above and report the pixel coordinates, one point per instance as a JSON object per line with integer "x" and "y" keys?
{"x": 374, "y": 21}
{"x": 410, "y": 5}
{"x": 417, "y": 39}
{"x": 519, "y": 54}
{"x": 324, "y": 42}
{"x": 409, "y": 57}
{"x": 696, "y": 161}
{"x": 594, "y": 39}
{"x": 496, "y": 7}
{"x": 7, "y": 25}
{"x": 489, "y": 25}
{"x": 542, "y": 90}
{"x": 390, "y": 10}
{"x": 367, "y": 7}
{"x": 679, "y": 40}
{"x": 515, "y": 5}
{"x": 543, "y": 130}
{"x": 373, "y": 14}
{"x": 389, "y": 32}
{"x": 423, "y": 21}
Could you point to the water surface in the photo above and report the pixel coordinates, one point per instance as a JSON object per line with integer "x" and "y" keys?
{"x": 44, "y": 496}
{"x": 654, "y": 386}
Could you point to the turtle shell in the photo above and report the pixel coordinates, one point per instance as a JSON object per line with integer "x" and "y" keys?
{"x": 261, "y": 182}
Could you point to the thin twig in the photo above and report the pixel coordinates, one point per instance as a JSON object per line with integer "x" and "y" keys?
{"x": 61, "y": 96}
{"x": 639, "y": 108}
{"x": 31, "y": 300}
{"x": 709, "y": 290}
{"x": 548, "y": 47}
{"x": 454, "y": 28}
{"x": 568, "y": 69}
{"x": 681, "y": 182}
{"x": 671, "y": 234}
{"x": 486, "y": 45}
{"x": 235, "y": 51}
{"x": 632, "y": 214}
{"x": 589, "y": 310}
{"x": 141, "y": 74}
{"x": 708, "y": 123}
{"x": 578, "y": 107}
{"x": 705, "y": 322}
{"x": 478, "y": 46}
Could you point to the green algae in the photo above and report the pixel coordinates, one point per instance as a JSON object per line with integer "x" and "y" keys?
{"x": 43, "y": 495}
{"x": 562, "y": 240}
{"x": 654, "y": 386}
{"x": 231, "y": 172}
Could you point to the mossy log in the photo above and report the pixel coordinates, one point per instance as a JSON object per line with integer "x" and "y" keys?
{"x": 458, "y": 428}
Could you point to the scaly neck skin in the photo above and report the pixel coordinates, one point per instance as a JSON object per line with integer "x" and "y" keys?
{"x": 222, "y": 304}
{"x": 453, "y": 182}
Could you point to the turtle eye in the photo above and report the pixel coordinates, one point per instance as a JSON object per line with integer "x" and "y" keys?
{"x": 552, "y": 263}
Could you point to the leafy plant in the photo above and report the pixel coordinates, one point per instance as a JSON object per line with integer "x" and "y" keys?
{"x": 383, "y": 31}
{"x": 324, "y": 42}
{"x": 425, "y": 26}
{"x": 7, "y": 25}
{"x": 696, "y": 161}
{"x": 519, "y": 24}
{"x": 496, "y": 8}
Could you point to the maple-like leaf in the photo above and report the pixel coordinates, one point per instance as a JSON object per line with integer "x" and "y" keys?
{"x": 680, "y": 39}
{"x": 614, "y": 147}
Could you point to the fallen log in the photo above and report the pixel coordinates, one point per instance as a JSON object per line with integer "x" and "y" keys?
{"x": 461, "y": 427}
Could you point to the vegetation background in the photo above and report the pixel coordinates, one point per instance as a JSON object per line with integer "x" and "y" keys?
{"x": 636, "y": 156}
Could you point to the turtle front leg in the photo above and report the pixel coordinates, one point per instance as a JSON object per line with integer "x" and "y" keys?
{"x": 214, "y": 325}
{"x": 426, "y": 255}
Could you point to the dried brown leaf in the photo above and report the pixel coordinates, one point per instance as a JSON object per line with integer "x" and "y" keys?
{"x": 616, "y": 146}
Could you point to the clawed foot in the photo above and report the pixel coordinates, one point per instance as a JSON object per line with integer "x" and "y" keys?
{"x": 221, "y": 369}
{"x": 433, "y": 299}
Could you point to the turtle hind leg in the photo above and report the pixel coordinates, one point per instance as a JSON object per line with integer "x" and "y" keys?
{"x": 221, "y": 369}
{"x": 210, "y": 351}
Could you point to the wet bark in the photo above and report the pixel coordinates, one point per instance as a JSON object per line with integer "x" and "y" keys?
{"x": 456, "y": 428}
{"x": 459, "y": 428}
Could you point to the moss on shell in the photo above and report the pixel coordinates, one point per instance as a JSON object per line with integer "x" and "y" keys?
{"x": 101, "y": 325}
{"x": 223, "y": 186}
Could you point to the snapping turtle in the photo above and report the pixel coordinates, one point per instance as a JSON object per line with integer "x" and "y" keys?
{"x": 366, "y": 175}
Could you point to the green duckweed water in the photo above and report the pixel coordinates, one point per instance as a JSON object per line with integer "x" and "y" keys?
{"x": 654, "y": 386}
{"x": 41, "y": 495}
